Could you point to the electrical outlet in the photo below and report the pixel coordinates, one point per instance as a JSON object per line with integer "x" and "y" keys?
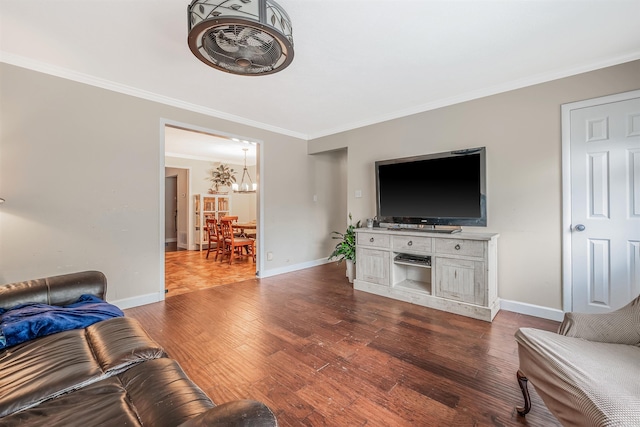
{"x": 269, "y": 256}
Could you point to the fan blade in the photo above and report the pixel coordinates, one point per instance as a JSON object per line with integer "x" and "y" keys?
{"x": 244, "y": 34}
{"x": 226, "y": 43}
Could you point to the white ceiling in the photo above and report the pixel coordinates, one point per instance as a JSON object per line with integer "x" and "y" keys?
{"x": 357, "y": 62}
{"x": 194, "y": 145}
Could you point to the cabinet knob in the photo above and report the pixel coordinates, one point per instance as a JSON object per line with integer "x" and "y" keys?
{"x": 457, "y": 247}
{"x": 410, "y": 243}
{"x": 371, "y": 240}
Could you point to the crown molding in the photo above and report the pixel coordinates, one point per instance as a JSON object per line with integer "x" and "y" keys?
{"x": 34, "y": 65}
{"x": 213, "y": 159}
{"x": 481, "y": 93}
{"x": 194, "y": 157}
{"x": 31, "y": 64}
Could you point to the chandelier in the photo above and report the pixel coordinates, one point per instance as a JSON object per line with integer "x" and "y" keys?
{"x": 245, "y": 187}
{"x": 246, "y": 37}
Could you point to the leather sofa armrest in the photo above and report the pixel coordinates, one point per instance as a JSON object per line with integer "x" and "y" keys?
{"x": 618, "y": 327}
{"x": 239, "y": 413}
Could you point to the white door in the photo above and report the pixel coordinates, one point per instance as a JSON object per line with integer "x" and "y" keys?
{"x": 604, "y": 228}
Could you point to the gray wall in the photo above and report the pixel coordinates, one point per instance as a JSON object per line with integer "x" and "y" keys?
{"x": 330, "y": 210}
{"x": 81, "y": 169}
{"x": 521, "y": 130}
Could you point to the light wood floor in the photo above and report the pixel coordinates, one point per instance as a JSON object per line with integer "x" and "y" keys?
{"x": 321, "y": 354}
{"x": 188, "y": 271}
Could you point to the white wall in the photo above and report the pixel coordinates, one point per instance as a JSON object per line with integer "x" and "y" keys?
{"x": 521, "y": 130}
{"x": 200, "y": 172}
{"x": 81, "y": 169}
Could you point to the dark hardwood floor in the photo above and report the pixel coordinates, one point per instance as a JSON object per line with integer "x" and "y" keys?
{"x": 321, "y": 354}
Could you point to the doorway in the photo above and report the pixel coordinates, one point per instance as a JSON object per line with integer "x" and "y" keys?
{"x": 176, "y": 207}
{"x": 171, "y": 213}
{"x": 601, "y": 202}
{"x": 202, "y": 152}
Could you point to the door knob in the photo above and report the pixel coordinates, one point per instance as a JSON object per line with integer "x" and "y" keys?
{"x": 579, "y": 227}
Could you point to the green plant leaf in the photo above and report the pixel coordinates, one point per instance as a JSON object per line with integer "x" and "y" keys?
{"x": 346, "y": 248}
{"x": 222, "y": 175}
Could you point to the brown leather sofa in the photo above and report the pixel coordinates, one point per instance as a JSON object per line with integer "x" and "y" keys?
{"x": 110, "y": 373}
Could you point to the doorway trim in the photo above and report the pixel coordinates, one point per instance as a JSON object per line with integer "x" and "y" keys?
{"x": 567, "y": 279}
{"x": 260, "y": 199}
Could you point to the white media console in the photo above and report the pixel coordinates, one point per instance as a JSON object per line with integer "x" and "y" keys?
{"x": 451, "y": 272}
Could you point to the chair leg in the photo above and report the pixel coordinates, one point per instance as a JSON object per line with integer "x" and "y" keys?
{"x": 221, "y": 251}
{"x": 522, "y": 382}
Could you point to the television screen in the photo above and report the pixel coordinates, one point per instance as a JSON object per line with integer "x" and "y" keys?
{"x": 438, "y": 189}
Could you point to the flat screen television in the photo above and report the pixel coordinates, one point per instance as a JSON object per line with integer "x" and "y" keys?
{"x": 435, "y": 189}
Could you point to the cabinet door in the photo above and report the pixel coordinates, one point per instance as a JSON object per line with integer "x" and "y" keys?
{"x": 208, "y": 203}
{"x": 461, "y": 280}
{"x": 372, "y": 266}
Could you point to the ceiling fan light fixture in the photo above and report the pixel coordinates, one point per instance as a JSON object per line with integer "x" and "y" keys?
{"x": 245, "y": 37}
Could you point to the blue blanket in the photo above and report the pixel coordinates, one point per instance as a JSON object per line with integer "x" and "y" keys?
{"x": 28, "y": 321}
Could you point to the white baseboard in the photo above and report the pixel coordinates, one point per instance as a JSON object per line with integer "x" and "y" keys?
{"x": 170, "y": 240}
{"x": 514, "y": 306}
{"x": 151, "y": 298}
{"x": 138, "y": 301}
{"x": 532, "y": 310}
{"x": 294, "y": 267}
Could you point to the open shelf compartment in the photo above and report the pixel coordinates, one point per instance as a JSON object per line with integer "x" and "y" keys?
{"x": 410, "y": 276}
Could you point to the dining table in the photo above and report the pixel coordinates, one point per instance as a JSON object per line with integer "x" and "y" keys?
{"x": 244, "y": 226}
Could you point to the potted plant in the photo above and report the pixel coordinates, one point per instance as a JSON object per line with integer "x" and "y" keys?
{"x": 223, "y": 175}
{"x": 345, "y": 250}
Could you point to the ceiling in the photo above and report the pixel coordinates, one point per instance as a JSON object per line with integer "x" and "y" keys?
{"x": 201, "y": 146}
{"x": 357, "y": 62}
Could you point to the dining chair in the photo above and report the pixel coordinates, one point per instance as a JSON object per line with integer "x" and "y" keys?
{"x": 234, "y": 220}
{"x": 215, "y": 236}
{"x": 233, "y": 245}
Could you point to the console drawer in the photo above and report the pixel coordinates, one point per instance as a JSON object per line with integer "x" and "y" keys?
{"x": 412, "y": 244}
{"x": 462, "y": 247}
{"x": 373, "y": 239}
